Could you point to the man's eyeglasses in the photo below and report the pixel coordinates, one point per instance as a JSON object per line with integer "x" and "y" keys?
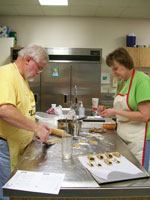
{"x": 40, "y": 69}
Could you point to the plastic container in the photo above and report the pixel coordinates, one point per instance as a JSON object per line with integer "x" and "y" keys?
{"x": 131, "y": 40}
{"x": 108, "y": 125}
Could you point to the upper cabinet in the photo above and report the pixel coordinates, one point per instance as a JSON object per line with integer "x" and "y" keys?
{"x": 140, "y": 56}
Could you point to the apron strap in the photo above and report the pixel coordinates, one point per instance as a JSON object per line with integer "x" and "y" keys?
{"x": 130, "y": 89}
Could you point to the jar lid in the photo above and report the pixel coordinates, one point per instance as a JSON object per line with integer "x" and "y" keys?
{"x": 131, "y": 34}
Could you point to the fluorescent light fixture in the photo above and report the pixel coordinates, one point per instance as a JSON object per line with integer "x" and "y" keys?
{"x": 54, "y": 2}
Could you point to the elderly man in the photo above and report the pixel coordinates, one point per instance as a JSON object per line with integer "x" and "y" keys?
{"x": 17, "y": 108}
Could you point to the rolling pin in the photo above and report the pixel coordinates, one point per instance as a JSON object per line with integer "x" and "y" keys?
{"x": 58, "y": 132}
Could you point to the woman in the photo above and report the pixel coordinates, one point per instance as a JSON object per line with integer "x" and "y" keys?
{"x": 131, "y": 105}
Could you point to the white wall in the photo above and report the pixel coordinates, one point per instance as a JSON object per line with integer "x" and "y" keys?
{"x": 85, "y": 32}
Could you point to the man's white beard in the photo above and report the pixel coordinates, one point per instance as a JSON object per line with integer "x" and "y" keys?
{"x": 30, "y": 79}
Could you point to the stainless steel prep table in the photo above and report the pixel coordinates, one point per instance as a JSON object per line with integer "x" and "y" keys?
{"x": 78, "y": 182}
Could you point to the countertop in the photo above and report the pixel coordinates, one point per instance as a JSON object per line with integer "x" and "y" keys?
{"x": 78, "y": 182}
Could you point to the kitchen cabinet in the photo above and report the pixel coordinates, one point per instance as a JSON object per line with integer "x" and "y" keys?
{"x": 140, "y": 56}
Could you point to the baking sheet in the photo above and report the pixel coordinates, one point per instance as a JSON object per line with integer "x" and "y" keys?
{"x": 124, "y": 170}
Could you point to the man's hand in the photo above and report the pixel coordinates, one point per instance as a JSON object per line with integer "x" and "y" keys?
{"x": 42, "y": 133}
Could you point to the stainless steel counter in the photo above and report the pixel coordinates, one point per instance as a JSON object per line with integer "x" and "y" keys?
{"x": 78, "y": 181}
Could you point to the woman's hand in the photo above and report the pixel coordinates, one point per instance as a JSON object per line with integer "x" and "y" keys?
{"x": 100, "y": 109}
{"x": 108, "y": 112}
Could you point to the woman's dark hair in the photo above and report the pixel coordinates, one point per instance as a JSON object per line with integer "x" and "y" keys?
{"x": 121, "y": 56}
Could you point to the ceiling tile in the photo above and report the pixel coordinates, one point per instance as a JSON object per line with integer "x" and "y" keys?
{"x": 114, "y": 3}
{"x": 108, "y": 11}
{"x": 55, "y": 10}
{"x": 19, "y": 2}
{"x": 134, "y": 12}
{"x": 8, "y": 10}
{"x": 139, "y": 3}
{"x": 82, "y": 11}
{"x": 28, "y": 10}
{"x": 84, "y": 2}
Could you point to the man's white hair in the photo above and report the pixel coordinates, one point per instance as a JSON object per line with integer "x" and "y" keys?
{"x": 37, "y": 52}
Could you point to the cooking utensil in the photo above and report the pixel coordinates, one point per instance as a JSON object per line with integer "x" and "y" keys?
{"x": 46, "y": 145}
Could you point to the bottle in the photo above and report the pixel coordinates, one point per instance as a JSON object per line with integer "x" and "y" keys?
{"x": 81, "y": 110}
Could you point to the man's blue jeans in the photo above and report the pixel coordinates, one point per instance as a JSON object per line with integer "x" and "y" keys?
{"x": 147, "y": 156}
{"x": 5, "y": 170}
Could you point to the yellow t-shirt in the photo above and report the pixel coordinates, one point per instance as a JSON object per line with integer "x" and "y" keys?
{"x": 16, "y": 91}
